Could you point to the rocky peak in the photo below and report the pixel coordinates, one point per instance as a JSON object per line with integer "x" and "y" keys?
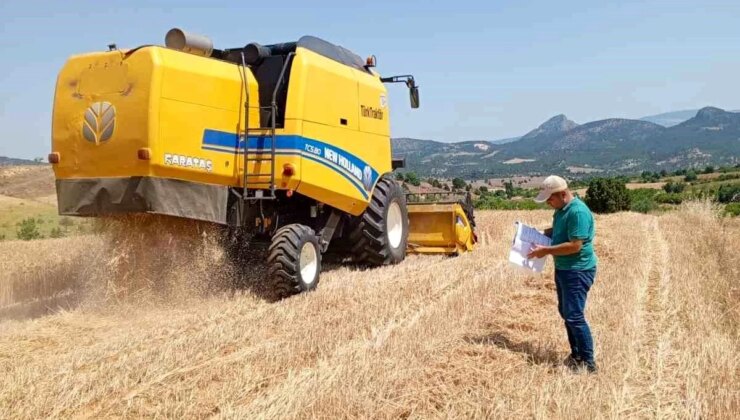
{"x": 558, "y": 123}
{"x": 555, "y": 125}
{"x": 709, "y": 112}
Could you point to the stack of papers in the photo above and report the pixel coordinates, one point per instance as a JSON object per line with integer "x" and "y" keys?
{"x": 525, "y": 239}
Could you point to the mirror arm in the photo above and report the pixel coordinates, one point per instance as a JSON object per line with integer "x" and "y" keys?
{"x": 410, "y": 83}
{"x": 407, "y": 78}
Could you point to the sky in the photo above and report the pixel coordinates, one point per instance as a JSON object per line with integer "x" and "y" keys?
{"x": 486, "y": 69}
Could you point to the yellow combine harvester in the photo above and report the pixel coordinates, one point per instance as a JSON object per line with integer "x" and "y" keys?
{"x": 289, "y": 143}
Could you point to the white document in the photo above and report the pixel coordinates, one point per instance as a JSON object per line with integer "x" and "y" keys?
{"x": 525, "y": 239}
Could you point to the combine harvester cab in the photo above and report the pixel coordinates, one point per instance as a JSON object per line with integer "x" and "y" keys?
{"x": 286, "y": 144}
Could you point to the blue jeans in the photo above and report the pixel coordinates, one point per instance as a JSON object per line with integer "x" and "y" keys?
{"x": 572, "y": 287}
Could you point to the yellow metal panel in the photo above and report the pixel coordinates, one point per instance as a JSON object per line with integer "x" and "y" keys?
{"x": 182, "y": 136}
{"x": 431, "y": 228}
{"x": 164, "y": 100}
{"x": 91, "y": 79}
{"x": 109, "y": 75}
{"x": 333, "y": 184}
{"x": 439, "y": 228}
{"x": 432, "y": 250}
{"x": 334, "y": 193}
{"x": 374, "y": 110}
{"x": 206, "y": 82}
{"x": 320, "y": 93}
{"x": 201, "y": 95}
{"x": 328, "y": 91}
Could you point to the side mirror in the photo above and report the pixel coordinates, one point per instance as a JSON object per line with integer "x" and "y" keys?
{"x": 410, "y": 83}
{"x": 414, "y": 96}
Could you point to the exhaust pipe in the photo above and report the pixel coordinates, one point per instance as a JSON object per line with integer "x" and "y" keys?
{"x": 188, "y": 42}
{"x": 254, "y": 53}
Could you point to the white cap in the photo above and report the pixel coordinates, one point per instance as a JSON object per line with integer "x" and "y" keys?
{"x": 550, "y": 185}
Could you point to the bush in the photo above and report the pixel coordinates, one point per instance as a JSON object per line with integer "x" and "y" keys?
{"x": 458, "y": 183}
{"x": 435, "y": 183}
{"x": 690, "y": 176}
{"x": 669, "y": 198}
{"x": 644, "y": 205}
{"x": 648, "y": 176}
{"x": 56, "y": 233}
{"x": 489, "y": 202}
{"x": 412, "y": 179}
{"x": 728, "y": 193}
{"x": 643, "y": 199}
{"x": 642, "y": 193}
{"x": 526, "y": 192}
{"x": 576, "y": 184}
{"x": 674, "y": 187}
{"x": 732, "y": 209}
{"x": 607, "y": 195}
{"x": 709, "y": 169}
{"x": 483, "y": 189}
{"x": 28, "y": 230}
{"x": 509, "y": 188}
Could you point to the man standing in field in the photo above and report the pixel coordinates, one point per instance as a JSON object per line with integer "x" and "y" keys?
{"x": 572, "y": 234}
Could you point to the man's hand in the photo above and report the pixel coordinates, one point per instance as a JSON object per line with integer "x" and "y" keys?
{"x": 538, "y": 251}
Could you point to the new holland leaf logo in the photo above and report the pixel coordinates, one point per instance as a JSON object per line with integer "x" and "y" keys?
{"x": 100, "y": 120}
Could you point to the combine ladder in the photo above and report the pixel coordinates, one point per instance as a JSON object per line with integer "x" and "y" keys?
{"x": 260, "y": 157}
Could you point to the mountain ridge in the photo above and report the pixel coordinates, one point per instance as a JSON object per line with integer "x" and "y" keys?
{"x": 612, "y": 145}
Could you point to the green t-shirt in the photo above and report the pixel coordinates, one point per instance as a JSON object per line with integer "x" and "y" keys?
{"x": 574, "y": 221}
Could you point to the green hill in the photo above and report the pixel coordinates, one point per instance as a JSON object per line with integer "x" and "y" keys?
{"x": 612, "y": 146}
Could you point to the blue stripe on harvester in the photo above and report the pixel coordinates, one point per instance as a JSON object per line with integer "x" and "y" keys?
{"x": 349, "y": 178}
{"x": 225, "y": 142}
{"x": 220, "y": 138}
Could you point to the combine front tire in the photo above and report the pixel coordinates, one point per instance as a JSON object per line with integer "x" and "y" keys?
{"x": 381, "y": 232}
{"x": 294, "y": 260}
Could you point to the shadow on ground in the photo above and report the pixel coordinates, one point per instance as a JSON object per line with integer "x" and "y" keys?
{"x": 534, "y": 353}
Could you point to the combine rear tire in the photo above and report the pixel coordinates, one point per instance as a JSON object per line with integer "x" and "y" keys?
{"x": 294, "y": 260}
{"x": 381, "y": 232}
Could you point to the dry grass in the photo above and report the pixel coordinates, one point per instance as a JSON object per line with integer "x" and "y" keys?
{"x": 433, "y": 337}
{"x": 27, "y": 181}
{"x": 648, "y": 185}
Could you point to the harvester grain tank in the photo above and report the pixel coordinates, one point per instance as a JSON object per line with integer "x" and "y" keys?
{"x": 285, "y": 143}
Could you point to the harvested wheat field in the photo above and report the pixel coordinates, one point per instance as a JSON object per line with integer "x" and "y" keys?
{"x": 156, "y": 324}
